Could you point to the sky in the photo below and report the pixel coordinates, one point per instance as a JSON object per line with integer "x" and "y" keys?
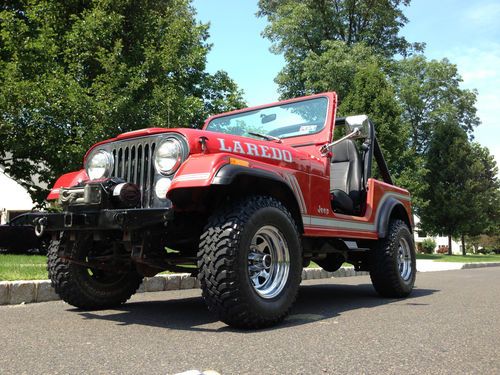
{"x": 466, "y": 32}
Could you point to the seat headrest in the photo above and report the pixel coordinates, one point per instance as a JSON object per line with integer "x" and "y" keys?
{"x": 344, "y": 151}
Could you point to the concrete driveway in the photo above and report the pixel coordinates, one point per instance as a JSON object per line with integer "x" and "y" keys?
{"x": 450, "y": 324}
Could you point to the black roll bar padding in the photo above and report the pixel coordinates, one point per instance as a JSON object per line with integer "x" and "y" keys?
{"x": 339, "y": 121}
{"x": 382, "y": 165}
{"x": 367, "y": 172}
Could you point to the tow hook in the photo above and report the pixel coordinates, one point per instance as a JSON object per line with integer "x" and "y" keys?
{"x": 40, "y": 225}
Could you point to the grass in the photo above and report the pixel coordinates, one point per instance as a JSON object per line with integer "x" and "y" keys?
{"x": 23, "y": 267}
{"x": 471, "y": 258}
{"x": 34, "y": 267}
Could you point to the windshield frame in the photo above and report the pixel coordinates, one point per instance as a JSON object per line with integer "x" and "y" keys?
{"x": 326, "y": 127}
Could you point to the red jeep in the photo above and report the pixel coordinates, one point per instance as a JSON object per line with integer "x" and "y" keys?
{"x": 245, "y": 203}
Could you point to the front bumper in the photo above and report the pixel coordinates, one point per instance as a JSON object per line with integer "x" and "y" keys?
{"x": 108, "y": 219}
{"x": 109, "y": 204}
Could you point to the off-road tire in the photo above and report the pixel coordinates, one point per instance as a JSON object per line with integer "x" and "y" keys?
{"x": 385, "y": 272}
{"x": 74, "y": 284}
{"x": 224, "y": 265}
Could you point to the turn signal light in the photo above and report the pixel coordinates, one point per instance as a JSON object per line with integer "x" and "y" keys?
{"x": 235, "y": 161}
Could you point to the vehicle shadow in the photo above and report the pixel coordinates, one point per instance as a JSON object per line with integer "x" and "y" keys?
{"x": 314, "y": 303}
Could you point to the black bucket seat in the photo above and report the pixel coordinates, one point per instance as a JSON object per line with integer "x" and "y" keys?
{"x": 346, "y": 177}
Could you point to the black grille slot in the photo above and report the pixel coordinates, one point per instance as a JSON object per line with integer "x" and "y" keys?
{"x": 134, "y": 163}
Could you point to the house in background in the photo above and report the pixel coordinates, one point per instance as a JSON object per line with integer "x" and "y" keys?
{"x": 441, "y": 241}
{"x": 14, "y": 199}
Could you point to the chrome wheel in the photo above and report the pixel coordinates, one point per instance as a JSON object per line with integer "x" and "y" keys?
{"x": 404, "y": 260}
{"x": 268, "y": 262}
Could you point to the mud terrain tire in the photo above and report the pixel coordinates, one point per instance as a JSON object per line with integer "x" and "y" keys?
{"x": 250, "y": 262}
{"x": 394, "y": 266}
{"x": 85, "y": 289}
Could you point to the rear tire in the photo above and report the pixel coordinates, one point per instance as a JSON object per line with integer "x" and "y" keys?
{"x": 250, "y": 263}
{"x": 394, "y": 268}
{"x": 83, "y": 287}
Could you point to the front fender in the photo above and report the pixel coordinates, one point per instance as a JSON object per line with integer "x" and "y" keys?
{"x": 67, "y": 180}
{"x": 198, "y": 171}
{"x": 229, "y": 172}
{"x": 222, "y": 169}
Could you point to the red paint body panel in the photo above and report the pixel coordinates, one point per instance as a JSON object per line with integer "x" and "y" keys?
{"x": 297, "y": 160}
{"x": 67, "y": 180}
{"x": 377, "y": 192}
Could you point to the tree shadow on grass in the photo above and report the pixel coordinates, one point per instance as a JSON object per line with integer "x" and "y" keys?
{"x": 314, "y": 303}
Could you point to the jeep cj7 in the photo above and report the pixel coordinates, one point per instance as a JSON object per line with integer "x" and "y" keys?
{"x": 244, "y": 204}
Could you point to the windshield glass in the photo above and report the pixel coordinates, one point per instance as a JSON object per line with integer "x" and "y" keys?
{"x": 283, "y": 121}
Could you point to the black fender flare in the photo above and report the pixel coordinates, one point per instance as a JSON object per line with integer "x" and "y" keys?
{"x": 384, "y": 214}
{"x": 228, "y": 173}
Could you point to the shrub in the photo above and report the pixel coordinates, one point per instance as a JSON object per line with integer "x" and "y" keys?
{"x": 419, "y": 247}
{"x": 428, "y": 245}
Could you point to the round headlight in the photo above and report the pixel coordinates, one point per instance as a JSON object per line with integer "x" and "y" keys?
{"x": 100, "y": 165}
{"x": 168, "y": 156}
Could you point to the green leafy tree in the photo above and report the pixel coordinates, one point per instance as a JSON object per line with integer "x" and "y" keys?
{"x": 373, "y": 95}
{"x": 75, "y": 72}
{"x": 428, "y": 245}
{"x": 482, "y": 190}
{"x": 336, "y": 66}
{"x": 448, "y": 183}
{"x": 430, "y": 94}
{"x": 488, "y": 243}
{"x": 299, "y": 27}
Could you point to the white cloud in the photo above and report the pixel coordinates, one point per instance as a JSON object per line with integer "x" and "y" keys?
{"x": 483, "y": 14}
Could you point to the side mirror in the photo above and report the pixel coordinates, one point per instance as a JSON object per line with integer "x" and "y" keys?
{"x": 360, "y": 123}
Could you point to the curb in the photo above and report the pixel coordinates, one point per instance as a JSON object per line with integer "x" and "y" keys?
{"x": 22, "y": 292}
{"x": 480, "y": 265}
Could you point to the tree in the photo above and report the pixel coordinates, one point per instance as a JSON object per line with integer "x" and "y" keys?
{"x": 298, "y": 28}
{"x": 373, "y": 95}
{"x": 482, "y": 190}
{"x": 75, "y": 72}
{"x": 463, "y": 191}
{"x": 446, "y": 161}
{"x": 430, "y": 93}
{"x": 487, "y": 242}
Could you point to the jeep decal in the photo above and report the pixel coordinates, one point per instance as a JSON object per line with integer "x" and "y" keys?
{"x": 256, "y": 150}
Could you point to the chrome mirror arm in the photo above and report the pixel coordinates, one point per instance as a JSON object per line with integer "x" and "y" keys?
{"x": 326, "y": 148}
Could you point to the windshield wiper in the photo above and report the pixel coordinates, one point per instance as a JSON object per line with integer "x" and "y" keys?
{"x": 266, "y": 137}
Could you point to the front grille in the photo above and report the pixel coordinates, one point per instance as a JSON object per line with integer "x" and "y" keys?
{"x": 134, "y": 163}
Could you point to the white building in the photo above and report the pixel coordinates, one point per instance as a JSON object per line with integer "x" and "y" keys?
{"x": 441, "y": 241}
{"x": 14, "y": 198}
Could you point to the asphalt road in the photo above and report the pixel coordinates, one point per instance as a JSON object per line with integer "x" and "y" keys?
{"x": 451, "y": 324}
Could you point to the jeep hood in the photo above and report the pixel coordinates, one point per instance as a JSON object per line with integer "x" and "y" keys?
{"x": 208, "y": 142}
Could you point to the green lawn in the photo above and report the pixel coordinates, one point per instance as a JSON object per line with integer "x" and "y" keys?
{"x": 33, "y": 267}
{"x": 23, "y": 267}
{"x": 471, "y": 258}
